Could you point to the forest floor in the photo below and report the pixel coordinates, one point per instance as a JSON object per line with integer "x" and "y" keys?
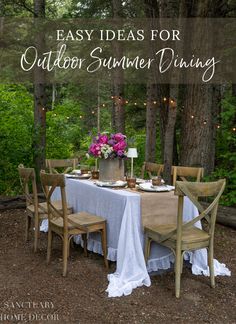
{"x": 32, "y": 291}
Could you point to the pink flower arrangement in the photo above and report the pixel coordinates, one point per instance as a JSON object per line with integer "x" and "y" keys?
{"x": 108, "y": 147}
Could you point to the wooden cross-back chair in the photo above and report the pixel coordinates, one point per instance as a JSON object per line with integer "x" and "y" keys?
{"x": 186, "y": 173}
{"x": 185, "y": 236}
{"x": 34, "y": 210}
{"x": 61, "y": 165}
{"x": 65, "y": 224}
{"x": 151, "y": 169}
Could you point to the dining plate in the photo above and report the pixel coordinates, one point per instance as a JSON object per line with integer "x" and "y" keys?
{"x": 139, "y": 180}
{"x": 111, "y": 184}
{"x": 78, "y": 176}
{"x": 147, "y": 186}
{"x": 77, "y": 172}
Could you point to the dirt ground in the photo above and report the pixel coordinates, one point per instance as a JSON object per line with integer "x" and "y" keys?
{"x": 32, "y": 291}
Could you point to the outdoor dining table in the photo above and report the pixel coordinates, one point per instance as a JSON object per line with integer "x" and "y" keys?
{"x": 126, "y": 212}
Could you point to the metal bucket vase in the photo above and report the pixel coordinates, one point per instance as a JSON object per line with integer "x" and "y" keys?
{"x": 111, "y": 169}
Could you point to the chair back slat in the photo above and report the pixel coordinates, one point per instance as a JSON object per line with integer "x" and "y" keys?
{"x": 64, "y": 165}
{"x": 200, "y": 189}
{"x": 28, "y": 184}
{"x": 184, "y": 173}
{"x": 49, "y": 183}
{"x": 151, "y": 168}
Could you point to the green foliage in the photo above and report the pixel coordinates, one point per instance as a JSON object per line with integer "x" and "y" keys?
{"x": 226, "y": 150}
{"x": 16, "y": 122}
{"x": 63, "y": 130}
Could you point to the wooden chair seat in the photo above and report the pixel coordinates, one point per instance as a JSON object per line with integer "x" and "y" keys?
{"x": 42, "y": 208}
{"x": 31, "y": 211}
{"x": 79, "y": 219}
{"x": 189, "y": 235}
{"x": 86, "y": 219}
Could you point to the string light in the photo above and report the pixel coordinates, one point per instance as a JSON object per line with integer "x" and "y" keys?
{"x": 192, "y": 116}
{"x": 93, "y": 112}
{"x": 164, "y": 99}
{"x": 234, "y": 129}
{"x": 218, "y": 126}
{"x": 80, "y": 116}
{"x": 205, "y": 122}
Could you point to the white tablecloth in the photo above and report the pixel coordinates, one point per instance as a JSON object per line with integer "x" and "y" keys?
{"x": 122, "y": 210}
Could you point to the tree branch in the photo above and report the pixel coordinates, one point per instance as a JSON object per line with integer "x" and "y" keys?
{"x": 23, "y": 4}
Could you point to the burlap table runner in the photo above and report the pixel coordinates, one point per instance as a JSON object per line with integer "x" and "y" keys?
{"x": 158, "y": 208}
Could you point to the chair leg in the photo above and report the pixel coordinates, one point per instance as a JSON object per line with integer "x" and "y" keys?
{"x": 104, "y": 245}
{"x": 49, "y": 248}
{"x": 68, "y": 247}
{"x": 65, "y": 254}
{"x": 147, "y": 247}
{"x": 27, "y": 227}
{"x": 36, "y": 233}
{"x": 211, "y": 265}
{"x": 84, "y": 238}
{"x": 182, "y": 261}
{"x": 178, "y": 263}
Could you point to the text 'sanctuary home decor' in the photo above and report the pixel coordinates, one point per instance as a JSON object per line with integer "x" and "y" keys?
{"x": 111, "y": 150}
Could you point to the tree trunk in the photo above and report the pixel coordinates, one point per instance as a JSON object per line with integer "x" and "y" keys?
{"x": 169, "y": 95}
{"x": 118, "y": 112}
{"x": 151, "y": 10}
{"x": 170, "y": 134}
{"x": 197, "y": 142}
{"x": 39, "y": 142}
{"x": 151, "y": 123}
{"x": 197, "y": 146}
{"x": 234, "y": 89}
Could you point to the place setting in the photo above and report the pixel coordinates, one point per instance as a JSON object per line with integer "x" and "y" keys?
{"x": 157, "y": 184}
{"x": 78, "y": 175}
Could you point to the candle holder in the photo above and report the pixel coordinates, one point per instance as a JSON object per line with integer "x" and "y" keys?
{"x": 132, "y": 153}
{"x": 95, "y": 175}
{"x": 131, "y": 182}
{"x": 156, "y": 181}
